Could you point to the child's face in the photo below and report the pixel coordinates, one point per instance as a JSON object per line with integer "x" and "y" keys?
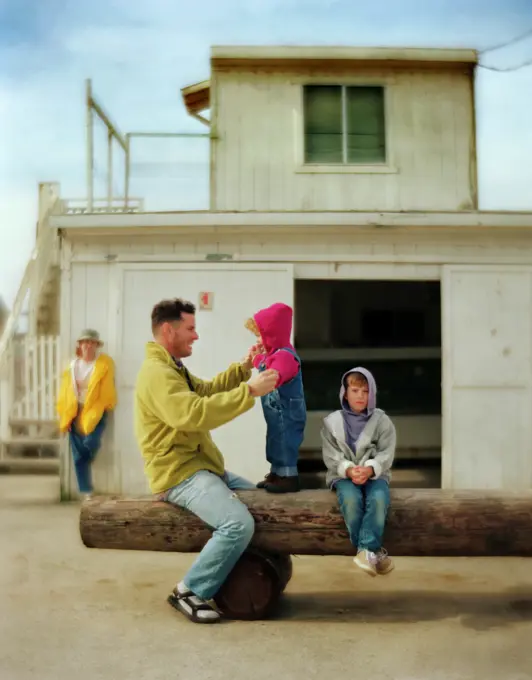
{"x": 357, "y": 395}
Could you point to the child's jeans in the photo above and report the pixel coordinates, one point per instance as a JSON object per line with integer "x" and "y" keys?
{"x": 364, "y": 509}
{"x": 285, "y": 414}
{"x": 285, "y": 423}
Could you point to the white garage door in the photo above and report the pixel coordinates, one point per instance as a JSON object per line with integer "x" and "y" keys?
{"x": 238, "y": 291}
{"x": 487, "y": 377}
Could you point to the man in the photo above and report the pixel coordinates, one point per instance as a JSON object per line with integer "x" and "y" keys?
{"x": 174, "y": 414}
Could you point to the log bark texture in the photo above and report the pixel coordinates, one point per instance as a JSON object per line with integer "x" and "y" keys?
{"x": 421, "y": 522}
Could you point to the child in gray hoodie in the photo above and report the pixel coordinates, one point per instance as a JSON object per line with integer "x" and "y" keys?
{"x": 358, "y": 446}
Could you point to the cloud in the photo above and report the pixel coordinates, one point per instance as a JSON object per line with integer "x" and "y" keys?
{"x": 140, "y": 53}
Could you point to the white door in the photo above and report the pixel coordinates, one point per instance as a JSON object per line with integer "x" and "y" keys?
{"x": 238, "y": 291}
{"x": 487, "y": 377}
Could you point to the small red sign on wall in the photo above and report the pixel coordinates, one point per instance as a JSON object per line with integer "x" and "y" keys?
{"x": 206, "y": 300}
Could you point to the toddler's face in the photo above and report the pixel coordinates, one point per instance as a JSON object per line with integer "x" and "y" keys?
{"x": 357, "y": 395}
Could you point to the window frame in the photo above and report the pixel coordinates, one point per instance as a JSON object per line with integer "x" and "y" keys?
{"x": 384, "y": 167}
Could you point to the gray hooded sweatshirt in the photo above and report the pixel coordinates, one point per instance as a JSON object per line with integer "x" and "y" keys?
{"x": 350, "y": 438}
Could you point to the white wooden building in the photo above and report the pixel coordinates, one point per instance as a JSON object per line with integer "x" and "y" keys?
{"x": 343, "y": 182}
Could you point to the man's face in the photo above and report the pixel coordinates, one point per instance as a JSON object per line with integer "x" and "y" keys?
{"x": 180, "y": 335}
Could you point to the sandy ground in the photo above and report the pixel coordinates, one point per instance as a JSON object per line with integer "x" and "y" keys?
{"x": 69, "y": 612}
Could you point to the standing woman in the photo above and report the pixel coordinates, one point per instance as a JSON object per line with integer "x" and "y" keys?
{"x": 86, "y": 394}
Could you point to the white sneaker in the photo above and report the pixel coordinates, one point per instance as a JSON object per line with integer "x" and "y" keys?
{"x": 384, "y": 563}
{"x": 367, "y": 561}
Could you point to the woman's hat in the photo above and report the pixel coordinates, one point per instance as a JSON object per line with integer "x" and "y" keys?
{"x": 90, "y": 334}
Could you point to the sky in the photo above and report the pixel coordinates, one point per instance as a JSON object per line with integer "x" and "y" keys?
{"x": 139, "y": 54}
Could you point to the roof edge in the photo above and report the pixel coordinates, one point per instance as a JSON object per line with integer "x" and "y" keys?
{"x": 196, "y": 98}
{"x": 221, "y": 53}
{"x": 477, "y": 220}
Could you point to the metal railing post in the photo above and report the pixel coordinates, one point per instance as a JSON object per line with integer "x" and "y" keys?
{"x": 90, "y": 145}
{"x": 109, "y": 169}
{"x": 127, "y": 170}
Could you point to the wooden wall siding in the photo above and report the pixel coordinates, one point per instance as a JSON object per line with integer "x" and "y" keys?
{"x": 258, "y": 151}
{"x": 88, "y": 289}
{"x": 487, "y": 361}
{"x": 89, "y": 298}
{"x": 367, "y": 246}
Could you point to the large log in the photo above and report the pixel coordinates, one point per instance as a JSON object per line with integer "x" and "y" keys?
{"x": 421, "y": 522}
{"x": 252, "y": 589}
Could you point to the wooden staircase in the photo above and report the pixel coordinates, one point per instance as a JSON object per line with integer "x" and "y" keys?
{"x": 30, "y": 353}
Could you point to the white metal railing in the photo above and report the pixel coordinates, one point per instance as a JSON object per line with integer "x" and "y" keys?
{"x": 6, "y": 400}
{"x": 92, "y": 108}
{"x": 37, "y": 369}
{"x": 94, "y": 111}
{"x": 29, "y": 364}
{"x": 80, "y": 206}
{"x": 44, "y": 255}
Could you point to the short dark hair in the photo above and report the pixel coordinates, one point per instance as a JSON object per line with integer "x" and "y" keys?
{"x": 170, "y": 310}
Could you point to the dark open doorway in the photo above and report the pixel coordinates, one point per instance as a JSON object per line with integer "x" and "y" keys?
{"x": 393, "y": 328}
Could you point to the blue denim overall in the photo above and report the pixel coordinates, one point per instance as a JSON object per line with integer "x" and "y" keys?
{"x": 286, "y": 415}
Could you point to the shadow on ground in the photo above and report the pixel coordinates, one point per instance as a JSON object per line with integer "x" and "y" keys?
{"x": 478, "y": 611}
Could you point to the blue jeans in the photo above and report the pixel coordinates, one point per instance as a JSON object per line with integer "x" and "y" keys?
{"x": 84, "y": 449}
{"x": 364, "y": 509}
{"x": 285, "y": 423}
{"x": 211, "y": 498}
{"x": 285, "y": 414}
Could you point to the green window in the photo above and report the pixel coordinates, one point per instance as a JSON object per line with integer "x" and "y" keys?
{"x": 344, "y": 124}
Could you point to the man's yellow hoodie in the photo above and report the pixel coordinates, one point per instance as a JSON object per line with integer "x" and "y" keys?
{"x": 173, "y": 422}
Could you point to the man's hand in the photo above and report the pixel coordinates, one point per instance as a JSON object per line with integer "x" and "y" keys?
{"x": 263, "y": 383}
{"x": 247, "y": 361}
{"x": 359, "y": 474}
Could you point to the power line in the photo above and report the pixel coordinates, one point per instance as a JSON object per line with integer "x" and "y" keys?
{"x": 514, "y": 40}
{"x": 507, "y": 69}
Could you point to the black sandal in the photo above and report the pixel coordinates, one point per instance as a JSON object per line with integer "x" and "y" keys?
{"x": 194, "y": 608}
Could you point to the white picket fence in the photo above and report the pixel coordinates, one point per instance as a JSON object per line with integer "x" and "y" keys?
{"x": 36, "y": 378}
{"x": 29, "y": 386}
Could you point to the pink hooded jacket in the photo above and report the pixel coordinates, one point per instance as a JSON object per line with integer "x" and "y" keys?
{"x": 275, "y": 326}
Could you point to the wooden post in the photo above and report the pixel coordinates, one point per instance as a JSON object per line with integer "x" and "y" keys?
{"x": 5, "y": 412}
{"x": 7, "y": 372}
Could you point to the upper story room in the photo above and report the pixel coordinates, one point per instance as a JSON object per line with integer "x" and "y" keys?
{"x": 340, "y": 128}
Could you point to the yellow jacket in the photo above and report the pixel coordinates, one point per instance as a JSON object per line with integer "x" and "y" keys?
{"x": 101, "y": 396}
{"x": 173, "y": 423}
